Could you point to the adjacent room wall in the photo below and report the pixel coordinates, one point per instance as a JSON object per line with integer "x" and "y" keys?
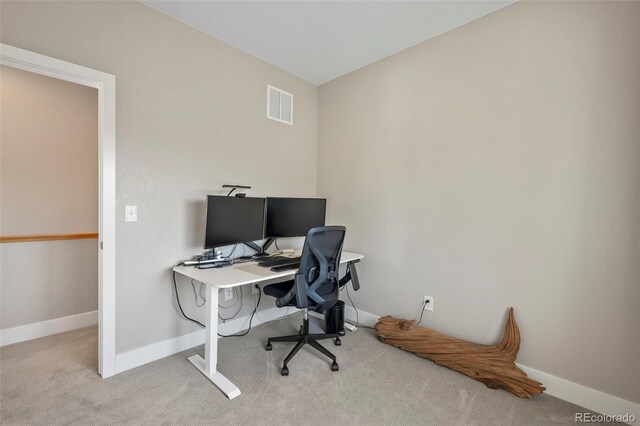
{"x": 48, "y": 185}
{"x": 498, "y": 165}
{"x": 191, "y": 116}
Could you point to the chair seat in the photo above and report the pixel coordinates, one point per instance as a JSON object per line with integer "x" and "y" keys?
{"x": 278, "y": 290}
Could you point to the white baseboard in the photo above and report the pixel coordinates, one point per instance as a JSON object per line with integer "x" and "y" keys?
{"x": 363, "y": 318}
{"x": 146, "y": 354}
{"x": 155, "y": 351}
{"x": 575, "y": 393}
{"x": 36, "y": 330}
{"x": 583, "y": 396}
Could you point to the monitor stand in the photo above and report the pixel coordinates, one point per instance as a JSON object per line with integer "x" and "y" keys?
{"x": 261, "y": 251}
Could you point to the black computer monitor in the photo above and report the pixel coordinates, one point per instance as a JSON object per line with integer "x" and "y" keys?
{"x": 293, "y": 217}
{"x": 233, "y": 220}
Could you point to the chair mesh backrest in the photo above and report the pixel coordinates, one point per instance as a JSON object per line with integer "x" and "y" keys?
{"x": 319, "y": 265}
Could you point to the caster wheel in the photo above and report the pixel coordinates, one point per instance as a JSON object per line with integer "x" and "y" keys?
{"x": 285, "y": 371}
{"x": 268, "y": 347}
{"x": 337, "y": 342}
{"x": 334, "y": 366}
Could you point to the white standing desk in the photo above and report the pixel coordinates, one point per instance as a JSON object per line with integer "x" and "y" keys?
{"x": 225, "y": 277}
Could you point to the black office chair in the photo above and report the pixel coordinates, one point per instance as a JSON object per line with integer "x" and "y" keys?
{"x": 315, "y": 286}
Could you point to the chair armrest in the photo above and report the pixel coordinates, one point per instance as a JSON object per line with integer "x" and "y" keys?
{"x": 351, "y": 275}
{"x": 284, "y": 300}
{"x": 300, "y": 287}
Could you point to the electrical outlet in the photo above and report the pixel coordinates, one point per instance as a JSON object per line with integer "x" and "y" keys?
{"x": 228, "y": 293}
{"x": 130, "y": 213}
{"x": 255, "y": 289}
{"x": 427, "y": 301}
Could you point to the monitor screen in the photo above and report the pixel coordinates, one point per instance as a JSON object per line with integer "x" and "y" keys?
{"x": 293, "y": 217}
{"x": 233, "y": 220}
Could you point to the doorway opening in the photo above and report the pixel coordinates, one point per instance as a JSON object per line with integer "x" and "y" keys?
{"x": 39, "y": 220}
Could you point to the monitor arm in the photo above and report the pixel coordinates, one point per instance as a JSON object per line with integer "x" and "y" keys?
{"x": 260, "y": 249}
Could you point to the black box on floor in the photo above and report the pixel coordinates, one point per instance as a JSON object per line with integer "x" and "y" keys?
{"x": 334, "y": 319}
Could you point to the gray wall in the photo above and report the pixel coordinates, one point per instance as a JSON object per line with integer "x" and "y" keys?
{"x": 191, "y": 115}
{"x": 64, "y": 281}
{"x": 498, "y": 165}
{"x": 49, "y": 154}
{"x": 48, "y": 185}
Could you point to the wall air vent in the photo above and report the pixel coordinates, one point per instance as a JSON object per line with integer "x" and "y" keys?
{"x": 279, "y": 105}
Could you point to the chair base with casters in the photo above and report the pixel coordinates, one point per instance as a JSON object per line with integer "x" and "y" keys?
{"x": 305, "y": 338}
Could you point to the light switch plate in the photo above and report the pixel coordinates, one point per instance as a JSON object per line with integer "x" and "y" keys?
{"x": 130, "y": 213}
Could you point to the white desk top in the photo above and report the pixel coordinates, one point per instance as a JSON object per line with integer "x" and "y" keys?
{"x": 245, "y": 273}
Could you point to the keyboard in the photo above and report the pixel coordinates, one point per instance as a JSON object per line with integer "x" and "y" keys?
{"x": 286, "y": 266}
{"x": 278, "y": 261}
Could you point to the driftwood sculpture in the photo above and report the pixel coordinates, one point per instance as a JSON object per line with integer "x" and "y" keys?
{"x": 492, "y": 365}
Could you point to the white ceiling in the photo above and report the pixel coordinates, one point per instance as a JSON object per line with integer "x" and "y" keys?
{"x": 321, "y": 40}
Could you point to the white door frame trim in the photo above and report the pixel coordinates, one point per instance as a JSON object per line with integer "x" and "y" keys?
{"x": 106, "y": 84}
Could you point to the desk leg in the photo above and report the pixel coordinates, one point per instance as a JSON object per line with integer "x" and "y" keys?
{"x": 207, "y": 366}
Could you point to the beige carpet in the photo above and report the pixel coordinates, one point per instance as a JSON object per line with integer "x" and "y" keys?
{"x": 53, "y": 380}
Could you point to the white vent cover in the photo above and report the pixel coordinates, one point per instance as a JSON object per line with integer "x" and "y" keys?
{"x": 279, "y": 105}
